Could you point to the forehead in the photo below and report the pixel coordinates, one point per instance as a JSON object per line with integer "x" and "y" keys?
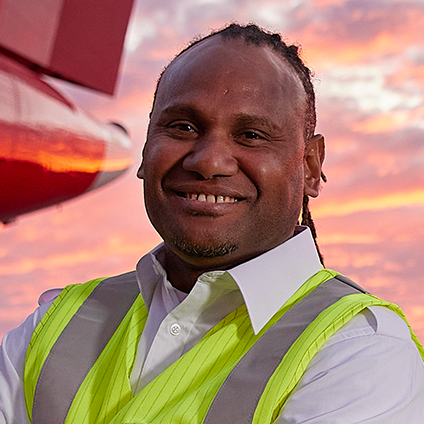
{"x": 247, "y": 71}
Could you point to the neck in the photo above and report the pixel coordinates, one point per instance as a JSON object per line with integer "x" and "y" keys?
{"x": 183, "y": 270}
{"x": 182, "y": 275}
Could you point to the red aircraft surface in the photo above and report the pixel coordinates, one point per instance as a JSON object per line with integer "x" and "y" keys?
{"x": 50, "y": 150}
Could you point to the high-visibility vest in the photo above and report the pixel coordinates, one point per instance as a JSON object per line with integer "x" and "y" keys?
{"x": 81, "y": 355}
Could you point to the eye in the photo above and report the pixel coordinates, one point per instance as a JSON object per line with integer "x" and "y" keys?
{"x": 184, "y": 127}
{"x": 251, "y": 135}
{"x": 251, "y": 138}
{"x": 181, "y": 130}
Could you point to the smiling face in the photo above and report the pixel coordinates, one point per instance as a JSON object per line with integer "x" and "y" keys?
{"x": 223, "y": 165}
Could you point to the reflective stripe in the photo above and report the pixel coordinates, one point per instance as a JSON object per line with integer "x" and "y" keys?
{"x": 99, "y": 316}
{"x": 238, "y": 397}
{"x": 69, "y": 362}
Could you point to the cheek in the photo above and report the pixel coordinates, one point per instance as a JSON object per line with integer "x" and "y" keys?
{"x": 159, "y": 158}
{"x": 279, "y": 176}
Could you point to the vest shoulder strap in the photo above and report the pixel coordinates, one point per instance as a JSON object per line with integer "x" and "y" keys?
{"x": 238, "y": 397}
{"x": 69, "y": 362}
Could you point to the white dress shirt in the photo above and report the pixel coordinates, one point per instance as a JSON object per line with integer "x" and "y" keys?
{"x": 367, "y": 372}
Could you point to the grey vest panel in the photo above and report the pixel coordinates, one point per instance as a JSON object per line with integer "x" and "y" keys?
{"x": 238, "y": 397}
{"x": 70, "y": 360}
{"x": 100, "y": 315}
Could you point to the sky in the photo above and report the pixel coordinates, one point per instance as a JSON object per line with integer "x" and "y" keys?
{"x": 368, "y": 63}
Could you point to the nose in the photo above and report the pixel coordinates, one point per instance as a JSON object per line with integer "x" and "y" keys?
{"x": 212, "y": 156}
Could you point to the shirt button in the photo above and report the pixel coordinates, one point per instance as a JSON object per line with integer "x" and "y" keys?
{"x": 175, "y": 329}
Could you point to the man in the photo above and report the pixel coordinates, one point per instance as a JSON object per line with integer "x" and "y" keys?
{"x": 237, "y": 320}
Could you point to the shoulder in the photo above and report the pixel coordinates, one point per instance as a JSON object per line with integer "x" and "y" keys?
{"x": 16, "y": 341}
{"x": 376, "y": 321}
{"x": 375, "y": 336}
{"x": 370, "y": 369}
{"x": 12, "y": 361}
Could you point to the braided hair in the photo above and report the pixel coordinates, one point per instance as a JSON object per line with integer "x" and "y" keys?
{"x": 254, "y": 35}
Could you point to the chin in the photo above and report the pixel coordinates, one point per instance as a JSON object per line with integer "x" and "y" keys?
{"x": 204, "y": 250}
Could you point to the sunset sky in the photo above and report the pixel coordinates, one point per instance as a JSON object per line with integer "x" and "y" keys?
{"x": 368, "y": 60}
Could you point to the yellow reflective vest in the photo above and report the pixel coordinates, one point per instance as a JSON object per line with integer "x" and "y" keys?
{"x": 185, "y": 391}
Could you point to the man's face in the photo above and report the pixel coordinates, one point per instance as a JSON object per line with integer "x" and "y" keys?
{"x": 223, "y": 165}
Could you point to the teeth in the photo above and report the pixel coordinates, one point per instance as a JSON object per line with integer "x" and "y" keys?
{"x": 210, "y": 198}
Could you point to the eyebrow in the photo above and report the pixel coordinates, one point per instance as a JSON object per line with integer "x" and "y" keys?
{"x": 180, "y": 109}
{"x": 254, "y": 120}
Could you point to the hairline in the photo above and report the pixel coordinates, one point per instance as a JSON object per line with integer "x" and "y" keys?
{"x": 308, "y": 132}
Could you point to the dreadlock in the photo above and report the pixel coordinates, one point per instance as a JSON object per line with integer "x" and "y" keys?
{"x": 307, "y": 220}
{"x": 254, "y": 35}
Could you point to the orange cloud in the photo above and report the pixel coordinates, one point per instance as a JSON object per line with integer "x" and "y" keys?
{"x": 410, "y": 72}
{"x": 415, "y": 316}
{"x": 412, "y": 197}
{"x": 341, "y": 258}
{"x": 384, "y": 122}
{"x": 343, "y": 238}
{"x": 391, "y": 31}
{"x": 321, "y": 4}
{"x": 137, "y": 102}
{"x": 388, "y": 122}
{"x": 380, "y": 281}
{"x": 113, "y": 245}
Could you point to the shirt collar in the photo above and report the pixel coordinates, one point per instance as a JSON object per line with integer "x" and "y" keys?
{"x": 268, "y": 281}
{"x": 265, "y": 282}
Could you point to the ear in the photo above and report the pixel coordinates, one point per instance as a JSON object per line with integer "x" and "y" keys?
{"x": 312, "y": 162}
